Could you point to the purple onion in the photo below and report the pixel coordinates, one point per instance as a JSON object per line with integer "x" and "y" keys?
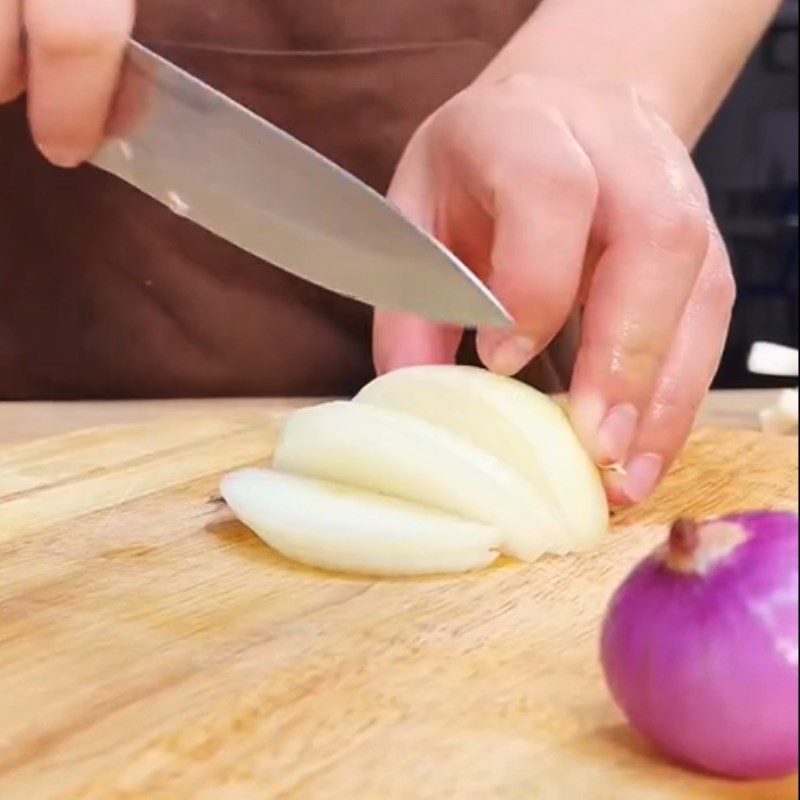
{"x": 700, "y": 645}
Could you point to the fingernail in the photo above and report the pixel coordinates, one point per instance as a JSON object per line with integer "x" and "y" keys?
{"x": 60, "y": 156}
{"x": 642, "y": 475}
{"x": 616, "y": 434}
{"x": 511, "y": 354}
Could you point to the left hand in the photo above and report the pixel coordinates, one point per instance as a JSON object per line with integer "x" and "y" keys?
{"x": 558, "y": 193}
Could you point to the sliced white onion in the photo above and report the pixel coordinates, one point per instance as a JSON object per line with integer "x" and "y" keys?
{"x": 399, "y": 455}
{"x": 339, "y": 528}
{"x": 518, "y": 425}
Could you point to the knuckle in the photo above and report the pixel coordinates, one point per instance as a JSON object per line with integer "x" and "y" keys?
{"x": 571, "y": 175}
{"x": 450, "y": 132}
{"x": 556, "y": 166}
{"x": 677, "y": 226}
{"x": 568, "y": 172}
{"x": 632, "y": 362}
{"x": 637, "y": 362}
{"x": 451, "y": 122}
{"x": 494, "y": 129}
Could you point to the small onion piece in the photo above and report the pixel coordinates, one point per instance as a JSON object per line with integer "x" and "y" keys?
{"x": 700, "y": 645}
{"x": 779, "y": 361}
{"x": 784, "y": 415}
{"x": 398, "y": 455}
{"x": 518, "y": 425}
{"x": 338, "y": 528}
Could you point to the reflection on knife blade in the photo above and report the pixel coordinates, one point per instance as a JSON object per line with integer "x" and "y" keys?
{"x": 215, "y": 162}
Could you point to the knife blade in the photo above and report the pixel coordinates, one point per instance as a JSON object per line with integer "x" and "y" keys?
{"x": 242, "y": 178}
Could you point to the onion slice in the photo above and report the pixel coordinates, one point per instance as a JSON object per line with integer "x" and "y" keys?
{"x": 399, "y": 455}
{"x": 338, "y": 528}
{"x": 517, "y": 425}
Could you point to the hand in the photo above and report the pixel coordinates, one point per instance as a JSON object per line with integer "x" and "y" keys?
{"x": 68, "y": 61}
{"x": 558, "y": 193}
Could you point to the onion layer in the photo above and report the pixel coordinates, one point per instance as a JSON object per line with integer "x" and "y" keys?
{"x": 398, "y": 455}
{"x": 334, "y": 527}
{"x": 518, "y": 425}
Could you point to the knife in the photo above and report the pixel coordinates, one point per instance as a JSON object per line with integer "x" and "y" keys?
{"x": 213, "y": 161}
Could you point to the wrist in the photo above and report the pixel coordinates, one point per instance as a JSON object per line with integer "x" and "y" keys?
{"x": 680, "y": 56}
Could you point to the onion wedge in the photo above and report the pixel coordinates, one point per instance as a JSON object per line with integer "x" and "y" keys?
{"x": 399, "y": 455}
{"x": 519, "y": 426}
{"x": 343, "y": 529}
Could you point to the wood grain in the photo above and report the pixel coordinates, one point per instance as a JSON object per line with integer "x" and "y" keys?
{"x": 152, "y": 648}
{"x": 24, "y": 421}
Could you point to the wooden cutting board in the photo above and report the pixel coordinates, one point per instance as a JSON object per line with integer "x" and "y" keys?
{"x": 152, "y": 648}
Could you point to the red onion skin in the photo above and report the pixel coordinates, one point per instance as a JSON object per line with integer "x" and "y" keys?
{"x": 706, "y": 666}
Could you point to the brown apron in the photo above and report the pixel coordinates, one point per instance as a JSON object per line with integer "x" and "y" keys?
{"x": 103, "y": 293}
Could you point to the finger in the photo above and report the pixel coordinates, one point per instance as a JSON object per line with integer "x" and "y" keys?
{"x": 513, "y": 196}
{"x": 684, "y": 383}
{"x": 652, "y": 224}
{"x": 520, "y": 163}
{"x": 543, "y": 206}
{"x": 11, "y": 61}
{"x": 406, "y": 340}
{"x": 75, "y": 50}
{"x": 400, "y": 339}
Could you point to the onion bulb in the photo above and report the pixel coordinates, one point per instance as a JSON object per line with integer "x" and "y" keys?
{"x": 431, "y": 451}
{"x": 700, "y": 645}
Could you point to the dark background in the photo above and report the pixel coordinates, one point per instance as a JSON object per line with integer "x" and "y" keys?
{"x": 749, "y": 160}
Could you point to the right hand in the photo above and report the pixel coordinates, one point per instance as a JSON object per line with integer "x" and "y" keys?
{"x": 68, "y": 61}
